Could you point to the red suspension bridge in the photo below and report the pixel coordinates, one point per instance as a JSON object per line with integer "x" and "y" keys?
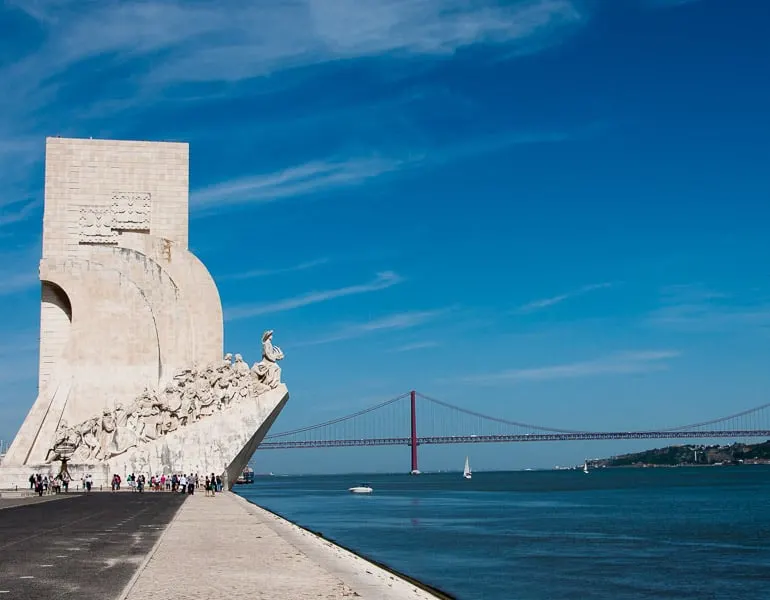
{"x": 386, "y": 424}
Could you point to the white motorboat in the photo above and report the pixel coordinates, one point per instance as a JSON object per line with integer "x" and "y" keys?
{"x": 363, "y": 488}
{"x": 585, "y": 467}
{"x": 467, "y": 470}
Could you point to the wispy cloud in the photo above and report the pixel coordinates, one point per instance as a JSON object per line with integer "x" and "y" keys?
{"x": 315, "y": 176}
{"x": 19, "y": 154}
{"x": 178, "y": 51}
{"x": 14, "y": 211}
{"x": 303, "y": 266}
{"x": 381, "y": 282}
{"x": 327, "y": 174}
{"x": 551, "y": 301}
{"x": 614, "y": 364}
{"x": 232, "y": 41}
{"x": 416, "y": 346}
{"x": 696, "y": 308}
{"x": 397, "y": 321}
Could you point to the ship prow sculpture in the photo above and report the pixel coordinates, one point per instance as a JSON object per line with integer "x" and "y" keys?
{"x": 132, "y": 378}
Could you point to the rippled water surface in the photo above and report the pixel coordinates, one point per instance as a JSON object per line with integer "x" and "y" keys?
{"x": 613, "y": 534}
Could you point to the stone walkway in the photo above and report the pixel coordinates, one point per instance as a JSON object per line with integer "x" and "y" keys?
{"x": 225, "y": 547}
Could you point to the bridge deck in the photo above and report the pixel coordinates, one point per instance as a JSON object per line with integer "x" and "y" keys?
{"x": 535, "y": 437}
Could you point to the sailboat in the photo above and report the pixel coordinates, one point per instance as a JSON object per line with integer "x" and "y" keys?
{"x": 467, "y": 469}
{"x": 585, "y": 467}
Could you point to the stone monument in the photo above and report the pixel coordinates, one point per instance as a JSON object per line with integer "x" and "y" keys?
{"x": 132, "y": 375}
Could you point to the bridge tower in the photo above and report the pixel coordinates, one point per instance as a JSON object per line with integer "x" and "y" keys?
{"x": 413, "y": 441}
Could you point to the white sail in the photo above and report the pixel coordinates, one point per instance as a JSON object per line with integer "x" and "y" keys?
{"x": 467, "y": 469}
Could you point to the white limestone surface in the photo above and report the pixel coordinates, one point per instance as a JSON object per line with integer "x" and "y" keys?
{"x": 124, "y": 304}
{"x": 132, "y": 376}
{"x": 229, "y": 548}
{"x": 222, "y": 443}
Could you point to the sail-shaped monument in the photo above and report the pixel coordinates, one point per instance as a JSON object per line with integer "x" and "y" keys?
{"x": 132, "y": 377}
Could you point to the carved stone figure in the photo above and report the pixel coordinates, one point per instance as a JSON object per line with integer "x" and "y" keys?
{"x": 89, "y": 437}
{"x": 193, "y": 394}
{"x": 108, "y": 428}
{"x": 239, "y": 366}
{"x": 267, "y": 370}
{"x": 172, "y": 397}
{"x": 64, "y": 435}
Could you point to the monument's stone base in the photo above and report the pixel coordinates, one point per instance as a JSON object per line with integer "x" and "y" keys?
{"x": 221, "y": 444}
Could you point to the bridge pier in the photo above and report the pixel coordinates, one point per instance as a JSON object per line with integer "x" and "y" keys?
{"x": 413, "y": 440}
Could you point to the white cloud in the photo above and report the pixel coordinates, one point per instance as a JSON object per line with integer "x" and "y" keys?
{"x": 14, "y": 215}
{"x": 303, "y": 266}
{"x": 397, "y": 321}
{"x": 233, "y": 40}
{"x": 620, "y": 363}
{"x": 19, "y": 154}
{"x": 313, "y": 177}
{"x": 160, "y": 47}
{"x": 381, "y": 282}
{"x": 323, "y": 175}
{"x": 416, "y": 346}
{"x": 546, "y": 302}
{"x": 696, "y": 308}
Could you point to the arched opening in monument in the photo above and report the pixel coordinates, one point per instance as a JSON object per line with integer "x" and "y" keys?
{"x": 55, "y": 327}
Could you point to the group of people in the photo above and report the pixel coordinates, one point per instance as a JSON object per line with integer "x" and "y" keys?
{"x": 45, "y": 484}
{"x": 184, "y": 484}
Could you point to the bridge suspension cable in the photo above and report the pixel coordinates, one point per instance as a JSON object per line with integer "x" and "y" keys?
{"x": 433, "y": 421}
{"x": 737, "y": 415}
{"x": 337, "y": 420}
{"x": 496, "y": 419}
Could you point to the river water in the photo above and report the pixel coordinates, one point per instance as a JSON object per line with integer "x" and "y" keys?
{"x": 612, "y": 534}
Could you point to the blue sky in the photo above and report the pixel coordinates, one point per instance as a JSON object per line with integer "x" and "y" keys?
{"x": 554, "y": 211}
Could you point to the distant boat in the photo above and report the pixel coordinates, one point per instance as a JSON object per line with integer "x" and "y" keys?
{"x": 585, "y": 467}
{"x": 415, "y": 472}
{"x": 467, "y": 470}
{"x": 362, "y": 488}
{"x": 247, "y": 476}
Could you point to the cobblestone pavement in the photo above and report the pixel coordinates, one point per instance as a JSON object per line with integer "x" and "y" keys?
{"x": 224, "y": 547}
{"x": 85, "y": 548}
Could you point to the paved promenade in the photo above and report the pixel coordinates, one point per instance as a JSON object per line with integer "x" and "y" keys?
{"x": 225, "y": 547}
{"x": 84, "y": 547}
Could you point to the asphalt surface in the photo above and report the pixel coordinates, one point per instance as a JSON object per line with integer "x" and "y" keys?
{"x": 86, "y": 547}
{"x": 25, "y": 500}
